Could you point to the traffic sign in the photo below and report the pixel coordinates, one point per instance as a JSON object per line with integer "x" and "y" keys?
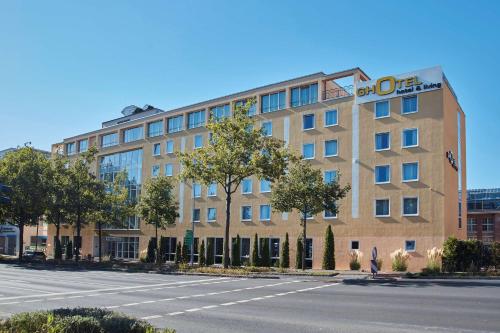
{"x": 188, "y": 237}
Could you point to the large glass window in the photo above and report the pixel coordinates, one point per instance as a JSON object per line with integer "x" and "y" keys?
{"x": 83, "y": 145}
{"x": 175, "y": 124}
{"x": 410, "y": 137}
{"x": 70, "y": 148}
{"x": 212, "y": 190}
{"x": 265, "y": 186}
{"x": 196, "y": 190}
{"x": 382, "y": 207}
{"x": 308, "y": 121}
{"x": 124, "y": 247}
{"x": 410, "y": 172}
{"x": 331, "y": 118}
{"x": 273, "y": 102}
{"x": 471, "y": 225}
{"x": 410, "y": 206}
{"x": 382, "y": 174}
{"x": 108, "y": 140}
{"x": 304, "y": 95}
{"x": 382, "y": 141}
{"x": 133, "y": 134}
{"x": 245, "y": 249}
{"x": 274, "y": 249}
{"x": 198, "y": 141}
{"x": 169, "y": 147}
{"x": 196, "y": 119}
{"x": 267, "y": 128}
{"x": 169, "y": 170}
{"x": 410, "y": 104}
{"x": 308, "y": 151}
{"x": 246, "y": 186}
{"x": 331, "y": 148}
{"x": 155, "y": 128}
{"x": 217, "y": 113}
{"x": 251, "y": 111}
{"x": 382, "y": 109}
{"x": 156, "y": 149}
{"x": 488, "y": 224}
{"x": 155, "y": 170}
{"x": 211, "y": 214}
{"x": 246, "y": 213}
{"x": 330, "y": 176}
{"x": 265, "y": 212}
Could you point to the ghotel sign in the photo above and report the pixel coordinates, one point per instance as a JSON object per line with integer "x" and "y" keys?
{"x": 399, "y": 85}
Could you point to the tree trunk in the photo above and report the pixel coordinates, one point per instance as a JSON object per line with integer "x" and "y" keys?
{"x": 157, "y": 249}
{"x": 21, "y": 236}
{"x": 99, "y": 230}
{"x": 36, "y": 238}
{"x": 304, "y": 237}
{"x": 58, "y": 231}
{"x": 226, "y": 234}
{"x": 78, "y": 239}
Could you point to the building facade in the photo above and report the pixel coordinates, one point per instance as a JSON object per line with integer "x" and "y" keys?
{"x": 399, "y": 141}
{"x": 483, "y": 215}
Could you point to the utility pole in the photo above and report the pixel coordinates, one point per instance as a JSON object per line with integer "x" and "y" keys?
{"x": 191, "y": 261}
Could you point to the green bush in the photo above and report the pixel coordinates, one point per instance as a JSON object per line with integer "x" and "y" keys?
{"x": 495, "y": 255}
{"x": 265, "y": 259}
{"x": 178, "y": 253}
{"x": 379, "y": 264}
{"x": 354, "y": 265}
{"x": 202, "y": 253}
{"x": 186, "y": 253}
{"x": 151, "y": 256}
{"x": 235, "y": 253}
{"x": 298, "y": 256}
{"x": 69, "y": 250}
{"x": 255, "y": 252}
{"x": 329, "y": 251}
{"x": 285, "y": 254}
{"x": 466, "y": 255}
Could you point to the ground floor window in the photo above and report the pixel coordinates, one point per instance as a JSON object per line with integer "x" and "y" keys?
{"x": 195, "y": 252}
{"x": 169, "y": 246}
{"x": 124, "y": 247}
{"x": 274, "y": 244}
{"x": 309, "y": 252}
{"x": 245, "y": 251}
{"x": 215, "y": 250}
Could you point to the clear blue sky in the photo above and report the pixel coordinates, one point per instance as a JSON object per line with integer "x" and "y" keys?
{"x": 65, "y": 66}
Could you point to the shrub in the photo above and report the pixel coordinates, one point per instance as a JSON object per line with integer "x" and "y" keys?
{"x": 178, "y": 253}
{"x": 329, "y": 252}
{"x": 285, "y": 254}
{"x": 151, "y": 255}
{"x": 186, "y": 254}
{"x": 355, "y": 261}
{"x": 69, "y": 250}
{"x": 298, "y": 256}
{"x": 495, "y": 255}
{"x": 202, "y": 254}
{"x": 255, "y": 251}
{"x": 379, "y": 264}
{"x": 210, "y": 252}
{"x": 466, "y": 255}
{"x": 265, "y": 259}
{"x": 434, "y": 257}
{"x": 400, "y": 260}
{"x": 235, "y": 253}
{"x": 57, "y": 249}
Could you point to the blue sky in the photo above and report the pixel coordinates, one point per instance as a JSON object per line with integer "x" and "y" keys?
{"x": 66, "y": 66}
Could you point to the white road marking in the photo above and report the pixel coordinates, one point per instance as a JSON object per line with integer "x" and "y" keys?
{"x": 33, "y": 300}
{"x": 210, "y": 306}
{"x": 151, "y": 317}
{"x": 230, "y": 303}
{"x": 193, "y": 310}
{"x": 131, "y": 304}
{"x": 175, "y": 313}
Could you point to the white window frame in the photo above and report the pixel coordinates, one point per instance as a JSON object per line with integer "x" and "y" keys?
{"x": 324, "y": 148}
{"x": 152, "y": 172}
{"x": 166, "y": 146}
{"x": 194, "y": 191}
{"x": 260, "y": 186}
{"x": 208, "y": 192}
{"x": 375, "y": 174}
{"x": 251, "y": 213}
{"x": 153, "y": 149}
{"x": 314, "y": 150}
{"x": 172, "y": 166}
{"x": 414, "y": 247}
{"x": 330, "y": 217}
{"x": 402, "y": 172}
{"x": 355, "y": 240}
{"x": 199, "y": 215}
{"x": 194, "y": 141}
{"x": 270, "y": 213}
{"x": 267, "y": 122}
{"x": 336, "y": 174}
{"x": 402, "y": 104}
{"x": 251, "y": 186}
{"x": 324, "y": 118}
{"x": 403, "y": 205}
{"x": 208, "y": 219}
{"x": 403, "y": 135}
{"x": 314, "y": 121}
{"x": 375, "y": 207}
{"x": 375, "y": 109}
{"x": 375, "y": 141}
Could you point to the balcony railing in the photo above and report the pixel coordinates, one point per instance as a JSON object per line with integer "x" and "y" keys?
{"x": 338, "y": 92}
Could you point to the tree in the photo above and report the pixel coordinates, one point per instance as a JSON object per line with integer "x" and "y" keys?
{"x": 285, "y": 253}
{"x": 27, "y": 172}
{"x": 57, "y": 249}
{"x": 237, "y": 151}
{"x": 157, "y": 205}
{"x": 298, "y": 257}
{"x": 329, "y": 251}
{"x": 69, "y": 250}
{"x": 210, "y": 251}
{"x": 178, "y": 253}
{"x": 202, "y": 253}
{"x": 163, "y": 248}
{"x": 265, "y": 259}
{"x": 304, "y": 189}
{"x": 255, "y": 252}
{"x": 151, "y": 254}
{"x": 185, "y": 253}
{"x": 236, "y": 256}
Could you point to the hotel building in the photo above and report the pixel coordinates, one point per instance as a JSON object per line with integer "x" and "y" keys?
{"x": 399, "y": 141}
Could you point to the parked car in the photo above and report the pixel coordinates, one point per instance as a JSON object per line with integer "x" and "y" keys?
{"x": 31, "y": 255}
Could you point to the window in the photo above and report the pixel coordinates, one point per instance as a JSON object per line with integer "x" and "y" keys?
{"x": 331, "y": 118}
{"x": 212, "y": 190}
{"x": 246, "y": 213}
{"x": 175, "y": 124}
{"x": 471, "y": 225}
{"x": 410, "y": 172}
{"x": 198, "y": 141}
{"x": 304, "y": 95}
{"x": 382, "y": 109}
{"x": 251, "y": 111}
{"x": 133, "y": 134}
{"x": 382, "y": 174}
{"x": 410, "y": 206}
{"x": 274, "y": 244}
{"x": 273, "y": 102}
{"x": 109, "y": 140}
{"x": 410, "y": 246}
{"x": 196, "y": 190}
{"x": 169, "y": 147}
{"x": 155, "y": 128}
{"x": 155, "y": 170}
{"x": 83, "y": 145}
{"x": 70, "y": 148}
{"x": 265, "y": 186}
{"x": 169, "y": 170}
{"x": 245, "y": 248}
{"x": 382, "y": 207}
{"x": 382, "y": 141}
{"x": 217, "y": 113}
{"x": 246, "y": 186}
{"x": 267, "y": 128}
{"x": 354, "y": 245}
{"x": 331, "y": 148}
{"x": 308, "y": 151}
{"x": 211, "y": 214}
{"x": 328, "y": 214}
{"x": 410, "y": 104}
{"x": 196, "y": 119}
{"x": 196, "y": 215}
{"x": 330, "y": 176}
{"x": 410, "y": 137}
{"x": 308, "y": 121}
{"x": 265, "y": 212}
{"x": 156, "y": 149}
{"x": 488, "y": 224}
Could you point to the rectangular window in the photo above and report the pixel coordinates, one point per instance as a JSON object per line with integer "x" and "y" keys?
{"x": 245, "y": 249}
{"x": 246, "y": 213}
{"x": 410, "y": 172}
{"x": 211, "y": 214}
{"x": 354, "y": 245}
{"x": 198, "y": 141}
{"x": 304, "y": 95}
{"x": 382, "y": 109}
{"x": 410, "y": 206}
{"x": 133, "y": 134}
{"x": 169, "y": 170}
{"x": 155, "y": 170}
{"x": 267, "y": 128}
{"x": 471, "y": 225}
{"x": 169, "y": 147}
{"x": 488, "y": 224}
{"x": 156, "y": 149}
{"x": 83, "y": 145}
{"x": 410, "y": 104}
{"x": 329, "y": 214}
{"x": 196, "y": 190}
{"x": 273, "y": 102}
{"x": 331, "y": 148}
{"x": 410, "y": 137}
{"x": 308, "y": 122}
{"x": 251, "y": 111}
{"x": 274, "y": 250}
{"x": 331, "y": 118}
{"x": 175, "y": 124}
{"x": 382, "y": 141}
{"x": 410, "y": 246}
{"x": 109, "y": 140}
{"x": 265, "y": 212}
{"x": 246, "y": 186}
{"x": 382, "y": 174}
{"x": 308, "y": 151}
{"x": 196, "y": 119}
{"x": 212, "y": 190}
{"x": 382, "y": 207}
{"x": 265, "y": 186}
{"x": 155, "y": 128}
{"x": 217, "y": 113}
{"x": 70, "y": 148}
{"x": 330, "y": 176}
{"x": 196, "y": 215}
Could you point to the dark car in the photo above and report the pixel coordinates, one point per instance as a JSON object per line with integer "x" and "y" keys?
{"x": 34, "y": 255}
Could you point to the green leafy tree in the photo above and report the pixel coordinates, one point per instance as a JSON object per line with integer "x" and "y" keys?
{"x": 236, "y": 256}
{"x": 237, "y": 151}
{"x": 265, "y": 259}
{"x": 329, "y": 251}
{"x": 27, "y": 172}
{"x": 299, "y": 254}
{"x": 285, "y": 253}
{"x": 178, "y": 253}
{"x": 255, "y": 252}
{"x": 157, "y": 205}
{"x": 304, "y": 189}
{"x": 202, "y": 254}
{"x": 151, "y": 253}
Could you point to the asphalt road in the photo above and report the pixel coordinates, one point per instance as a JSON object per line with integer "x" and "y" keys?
{"x": 211, "y": 304}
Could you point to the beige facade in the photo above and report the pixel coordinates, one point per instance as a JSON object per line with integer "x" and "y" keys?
{"x": 434, "y": 191}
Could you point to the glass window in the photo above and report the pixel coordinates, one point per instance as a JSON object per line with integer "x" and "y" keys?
{"x": 410, "y": 137}
{"x": 211, "y": 214}
{"x": 198, "y": 141}
{"x": 329, "y": 214}
{"x": 196, "y": 119}
{"x": 330, "y": 176}
{"x": 265, "y": 185}
{"x": 410, "y": 246}
{"x": 83, "y": 145}
{"x": 410, "y": 104}
{"x": 382, "y": 174}
{"x": 331, "y": 118}
{"x": 265, "y": 212}
{"x": 382, "y": 109}
{"x": 245, "y": 248}
{"x": 246, "y": 213}
{"x": 274, "y": 244}
{"x": 410, "y": 206}
{"x": 156, "y": 149}
{"x": 70, "y": 148}
{"x": 251, "y": 111}
{"x": 354, "y": 245}
{"x": 175, "y": 124}
{"x": 471, "y": 225}
{"x": 196, "y": 215}
{"x": 196, "y": 190}
{"x": 488, "y": 224}
{"x": 169, "y": 146}
{"x": 169, "y": 170}
{"x": 382, "y": 207}
{"x": 267, "y": 128}
{"x": 304, "y": 95}
{"x": 133, "y": 134}
{"x": 382, "y": 141}
{"x": 410, "y": 172}
{"x": 273, "y": 102}
{"x": 308, "y": 150}
{"x": 308, "y": 121}
{"x": 155, "y": 170}
{"x": 217, "y": 113}
{"x": 331, "y": 148}
{"x": 246, "y": 186}
{"x": 109, "y": 140}
{"x": 212, "y": 190}
{"x": 155, "y": 128}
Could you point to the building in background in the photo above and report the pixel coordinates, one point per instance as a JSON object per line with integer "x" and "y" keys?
{"x": 398, "y": 140}
{"x": 483, "y": 215}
